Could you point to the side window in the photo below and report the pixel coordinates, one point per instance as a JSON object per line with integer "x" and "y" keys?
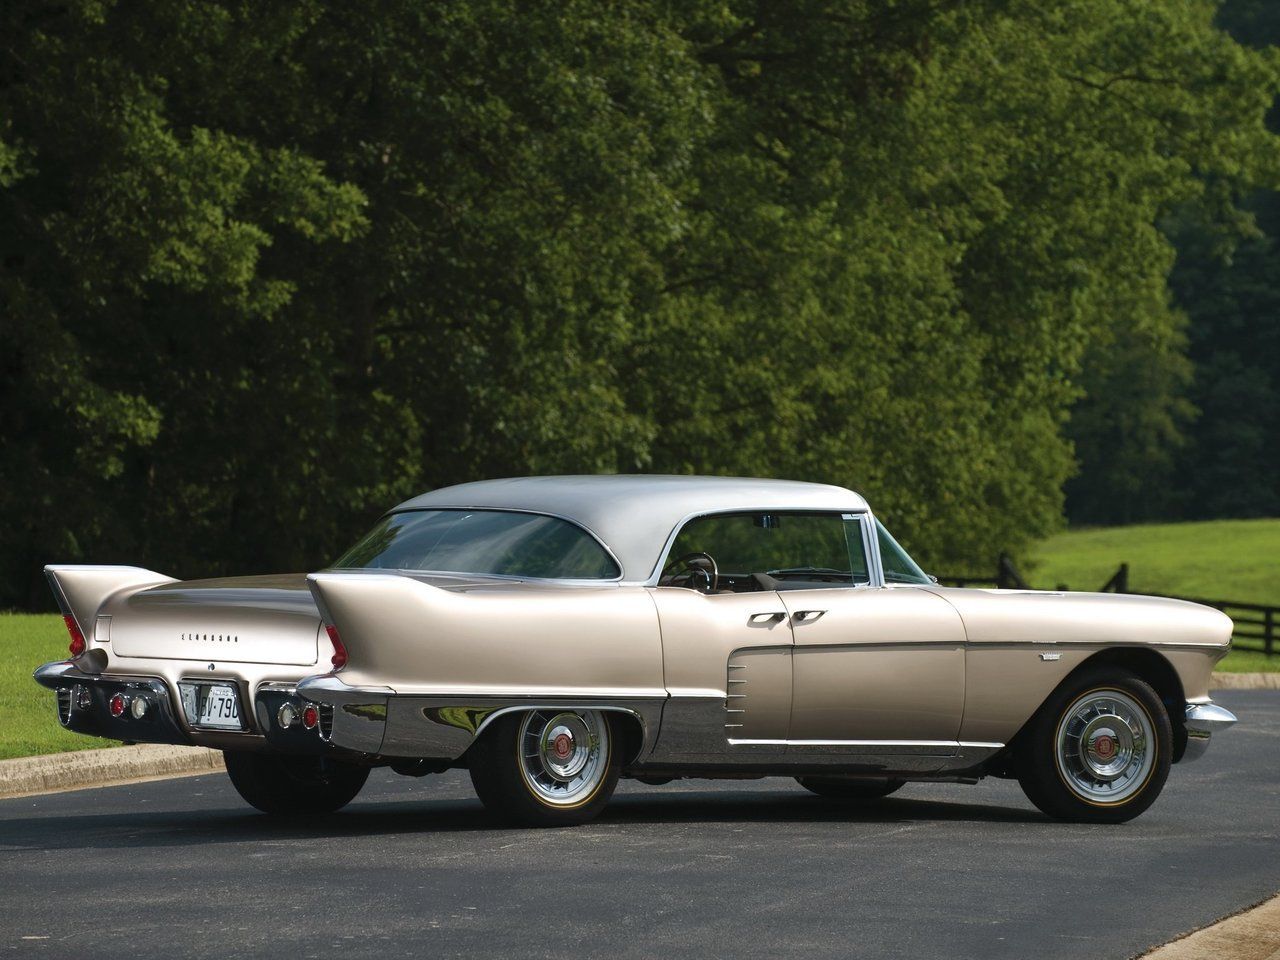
{"x": 898, "y": 567}
{"x": 796, "y": 549}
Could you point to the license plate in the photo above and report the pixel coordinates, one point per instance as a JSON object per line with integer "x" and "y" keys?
{"x": 219, "y": 707}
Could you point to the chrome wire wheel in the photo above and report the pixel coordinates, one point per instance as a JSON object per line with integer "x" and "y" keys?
{"x": 1106, "y": 747}
{"x": 564, "y": 756}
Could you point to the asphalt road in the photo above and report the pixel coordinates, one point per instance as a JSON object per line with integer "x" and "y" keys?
{"x": 414, "y": 868}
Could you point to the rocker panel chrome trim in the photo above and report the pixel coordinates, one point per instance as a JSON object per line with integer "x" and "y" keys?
{"x": 444, "y": 727}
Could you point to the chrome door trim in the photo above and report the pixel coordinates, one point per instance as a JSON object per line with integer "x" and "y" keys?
{"x": 882, "y": 747}
{"x": 807, "y": 616}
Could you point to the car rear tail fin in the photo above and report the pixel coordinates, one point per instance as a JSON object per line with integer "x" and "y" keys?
{"x": 365, "y": 607}
{"x": 82, "y": 589}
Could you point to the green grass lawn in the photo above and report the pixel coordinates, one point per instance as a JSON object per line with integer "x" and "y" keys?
{"x": 1214, "y": 559}
{"x": 28, "y": 722}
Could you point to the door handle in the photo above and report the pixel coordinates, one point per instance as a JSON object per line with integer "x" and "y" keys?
{"x": 807, "y": 616}
{"x": 766, "y": 617}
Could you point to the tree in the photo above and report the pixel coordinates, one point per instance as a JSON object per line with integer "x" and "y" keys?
{"x": 268, "y": 269}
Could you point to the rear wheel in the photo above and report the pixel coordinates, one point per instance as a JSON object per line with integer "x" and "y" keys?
{"x": 1099, "y": 750}
{"x": 546, "y": 768}
{"x": 294, "y": 786}
{"x": 837, "y": 788}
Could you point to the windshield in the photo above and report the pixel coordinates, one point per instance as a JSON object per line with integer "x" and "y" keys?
{"x": 898, "y": 567}
{"x": 496, "y": 542}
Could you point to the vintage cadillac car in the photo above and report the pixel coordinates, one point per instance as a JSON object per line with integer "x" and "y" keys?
{"x": 551, "y": 634}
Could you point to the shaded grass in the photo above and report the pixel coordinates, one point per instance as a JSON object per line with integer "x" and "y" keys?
{"x": 28, "y": 718}
{"x": 1213, "y": 560}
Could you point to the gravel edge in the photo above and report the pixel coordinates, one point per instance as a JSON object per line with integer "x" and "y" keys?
{"x": 1251, "y": 934}
{"x": 1244, "y": 681}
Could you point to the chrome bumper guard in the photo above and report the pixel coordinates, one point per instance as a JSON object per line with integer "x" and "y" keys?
{"x": 1202, "y": 721}
{"x": 352, "y": 719}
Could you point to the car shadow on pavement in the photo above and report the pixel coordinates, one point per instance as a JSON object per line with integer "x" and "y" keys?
{"x": 686, "y": 806}
{"x": 165, "y": 828}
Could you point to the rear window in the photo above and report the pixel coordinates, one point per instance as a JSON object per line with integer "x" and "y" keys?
{"x": 497, "y": 542}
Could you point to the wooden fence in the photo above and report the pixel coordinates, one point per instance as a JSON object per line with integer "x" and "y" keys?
{"x": 1256, "y": 624}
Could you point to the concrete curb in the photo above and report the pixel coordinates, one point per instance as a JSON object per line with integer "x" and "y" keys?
{"x": 1253, "y": 934}
{"x": 78, "y": 770}
{"x": 1244, "y": 681}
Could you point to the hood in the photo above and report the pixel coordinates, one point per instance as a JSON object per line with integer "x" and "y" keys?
{"x": 1015, "y": 616}
{"x": 270, "y": 619}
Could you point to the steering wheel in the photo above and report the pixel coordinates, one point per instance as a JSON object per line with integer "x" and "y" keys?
{"x": 700, "y": 572}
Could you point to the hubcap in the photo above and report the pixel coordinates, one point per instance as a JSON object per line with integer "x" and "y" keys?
{"x": 1105, "y": 747}
{"x": 563, "y": 756}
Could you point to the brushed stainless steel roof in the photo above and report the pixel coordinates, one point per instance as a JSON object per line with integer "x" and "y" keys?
{"x": 635, "y": 514}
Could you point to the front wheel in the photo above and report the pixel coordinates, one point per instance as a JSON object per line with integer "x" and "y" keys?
{"x": 294, "y": 786}
{"x": 546, "y": 768}
{"x": 1099, "y": 749}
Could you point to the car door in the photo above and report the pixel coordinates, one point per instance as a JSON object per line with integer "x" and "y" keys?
{"x": 878, "y": 668}
{"x": 876, "y": 664}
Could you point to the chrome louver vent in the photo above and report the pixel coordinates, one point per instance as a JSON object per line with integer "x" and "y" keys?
{"x": 64, "y": 705}
{"x": 735, "y": 701}
{"x": 326, "y": 721}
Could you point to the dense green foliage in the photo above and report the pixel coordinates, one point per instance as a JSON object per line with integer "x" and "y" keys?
{"x": 265, "y": 269}
{"x": 1187, "y": 426}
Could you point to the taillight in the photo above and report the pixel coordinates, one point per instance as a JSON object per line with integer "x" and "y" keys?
{"x": 78, "y": 645}
{"x": 339, "y": 658}
{"x": 310, "y": 716}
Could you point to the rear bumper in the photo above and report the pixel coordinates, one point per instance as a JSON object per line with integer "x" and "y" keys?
{"x": 83, "y": 705}
{"x": 1202, "y": 721}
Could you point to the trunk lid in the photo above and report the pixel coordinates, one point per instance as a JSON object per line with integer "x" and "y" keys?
{"x": 271, "y": 619}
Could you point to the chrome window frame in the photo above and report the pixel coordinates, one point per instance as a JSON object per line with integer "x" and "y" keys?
{"x": 870, "y": 545}
{"x": 928, "y": 582}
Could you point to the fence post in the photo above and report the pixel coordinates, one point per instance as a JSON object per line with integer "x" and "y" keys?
{"x": 1007, "y": 577}
{"x": 1119, "y": 582}
{"x": 1268, "y": 631}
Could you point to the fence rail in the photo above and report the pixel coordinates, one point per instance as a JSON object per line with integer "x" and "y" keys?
{"x": 1257, "y": 624}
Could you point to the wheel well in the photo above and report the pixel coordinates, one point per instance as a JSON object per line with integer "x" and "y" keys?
{"x": 1149, "y": 666}
{"x": 1146, "y": 665}
{"x": 627, "y": 728}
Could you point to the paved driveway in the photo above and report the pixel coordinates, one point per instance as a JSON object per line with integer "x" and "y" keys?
{"x": 697, "y": 869}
